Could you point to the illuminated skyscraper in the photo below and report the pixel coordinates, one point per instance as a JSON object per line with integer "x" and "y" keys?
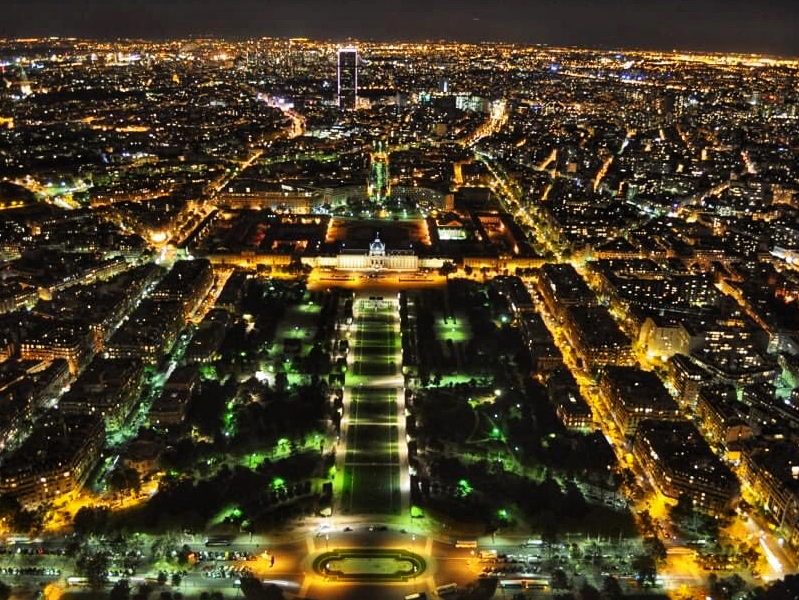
{"x": 348, "y": 77}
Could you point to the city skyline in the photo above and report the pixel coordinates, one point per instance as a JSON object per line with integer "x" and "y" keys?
{"x": 287, "y": 318}
{"x": 707, "y": 25}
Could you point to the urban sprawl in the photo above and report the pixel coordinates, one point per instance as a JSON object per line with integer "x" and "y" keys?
{"x": 285, "y": 318}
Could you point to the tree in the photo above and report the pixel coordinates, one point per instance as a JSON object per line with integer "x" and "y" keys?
{"x": 484, "y": 589}
{"x": 16, "y": 517}
{"x": 296, "y": 266}
{"x": 124, "y": 479}
{"x": 162, "y": 546}
{"x": 9, "y": 508}
{"x": 656, "y": 548}
{"x": 447, "y": 269}
{"x": 253, "y": 589}
{"x": 90, "y": 520}
{"x": 120, "y": 591}
{"x": 728, "y": 587}
{"x": 26, "y": 520}
{"x": 645, "y": 568}
{"x": 281, "y": 381}
{"x": 94, "y": 567}
{"x": 207, "y": 407}
{"x": 559, "y": 580}
{"x": 143, "y": 591}
{"x": 574, "y": 504}
{"x": 549, "y": 530}
{"x": 684, "y": 507}
{"x": 589, "y": 592}
{"x": 318, "y": 360}
{"x": 786, "y": 589}
{"x": 611, "y": 589}
{"x": 576, "y": 552}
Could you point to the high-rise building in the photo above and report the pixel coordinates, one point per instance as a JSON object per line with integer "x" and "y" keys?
{"x": 348, "y": 77}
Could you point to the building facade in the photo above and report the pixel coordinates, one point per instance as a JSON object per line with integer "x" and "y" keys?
{"x": 347, "y": 78}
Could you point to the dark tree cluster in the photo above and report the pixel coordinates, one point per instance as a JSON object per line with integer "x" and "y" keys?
{"x": 182, "y": 502}
{"x": 548, "y": 506}
{"x": 279, "y": 415}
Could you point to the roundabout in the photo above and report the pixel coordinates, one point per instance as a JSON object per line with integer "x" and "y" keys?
{"x": 373, "y": 565}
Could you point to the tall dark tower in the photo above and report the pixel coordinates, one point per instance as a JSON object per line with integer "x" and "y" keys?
{"x": 348, "y": 78}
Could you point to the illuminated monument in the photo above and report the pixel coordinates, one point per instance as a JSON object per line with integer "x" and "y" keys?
{"x": 377, "y": 248}
{"x": 379, "y": 187}
{"x": 377, "y": 258}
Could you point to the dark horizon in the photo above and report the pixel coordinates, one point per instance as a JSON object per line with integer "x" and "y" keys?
{"x": 733, "y": 26}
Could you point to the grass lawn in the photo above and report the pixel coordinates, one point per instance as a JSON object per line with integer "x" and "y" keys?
{"x": 456, "y": 329}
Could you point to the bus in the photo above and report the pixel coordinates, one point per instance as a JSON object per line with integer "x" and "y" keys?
{"x": 512, "y": 584}
{"x": 527, "y": 583}
{"x": 446, "y": 590}
{"x": 219, "y": 540}
{"x": 18, "y": 539}
{"x": 533, "y": 543}
{"x": 471, "y": 544}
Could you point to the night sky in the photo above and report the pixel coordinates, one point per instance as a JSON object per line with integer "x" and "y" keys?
{"x": 770, "y": 26}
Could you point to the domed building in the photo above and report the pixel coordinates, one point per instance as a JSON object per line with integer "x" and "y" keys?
{"x": 377, "y": 248}
{"x": 377, "y": 258}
